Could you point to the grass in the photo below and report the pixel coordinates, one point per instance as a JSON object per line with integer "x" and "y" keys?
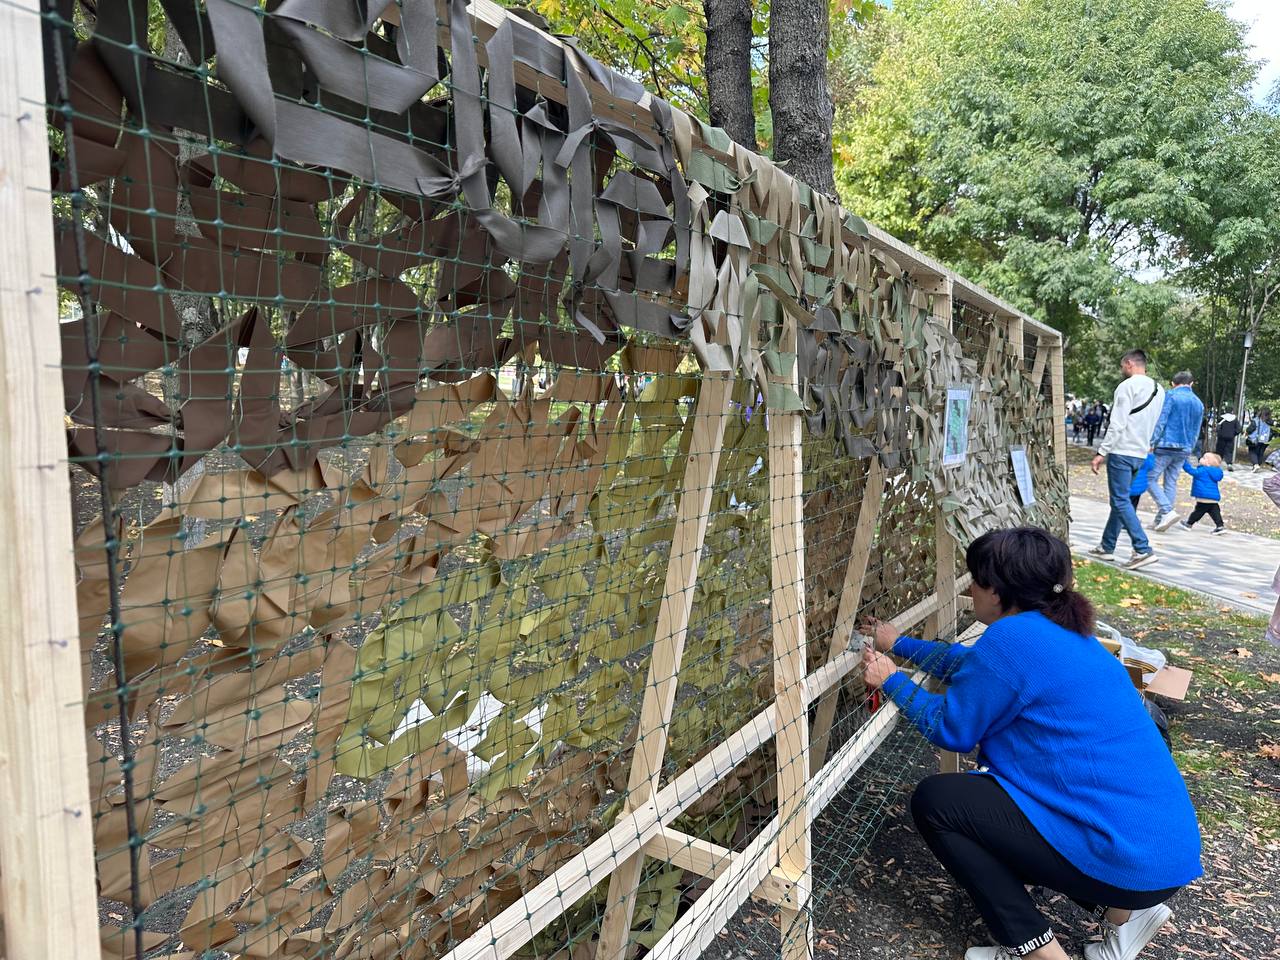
{"x": 1232, "y": 707}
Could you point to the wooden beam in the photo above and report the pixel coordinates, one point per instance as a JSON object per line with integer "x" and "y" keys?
{"x": 942, "y": 623}
{"x": 855, "y": 576}
{"x": 1043, "y": 349}
{"x": 786, "y": 546}
{"x": 1059, "y": 405}
{"x": 824, "y": 678}
{"x": 692, "y": 516}
{"x": 709, "y": 860}
{"x": 47, "y": 893}
{"x": 1015, "y": 332}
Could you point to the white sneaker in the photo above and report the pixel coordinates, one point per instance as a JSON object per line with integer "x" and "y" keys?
{"x": 989, "y": 953}
{"x": 1165, "y": 522}
{"x": 1097, "y": 553}
{"x": 1127, "y": 940}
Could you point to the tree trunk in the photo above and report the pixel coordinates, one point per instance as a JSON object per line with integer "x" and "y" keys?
{"x": 728, "y": 68}
{"x": 799, "y": 31}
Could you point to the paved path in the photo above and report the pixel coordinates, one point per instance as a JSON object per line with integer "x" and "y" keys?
{"x": 1234, "y": 567}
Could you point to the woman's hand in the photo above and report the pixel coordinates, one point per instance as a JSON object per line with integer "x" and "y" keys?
{"x": 882, "y": 633}
{"x": 876, "y": 667}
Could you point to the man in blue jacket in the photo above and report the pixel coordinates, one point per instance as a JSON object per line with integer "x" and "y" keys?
{"x": 1175, "y": 436}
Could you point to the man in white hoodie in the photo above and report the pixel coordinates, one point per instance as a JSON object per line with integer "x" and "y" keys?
{"x": 1134, "y": 412}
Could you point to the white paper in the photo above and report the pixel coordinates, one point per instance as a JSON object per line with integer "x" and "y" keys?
{"x": 955, "y": 438}
{"x": 1022, "y": 473}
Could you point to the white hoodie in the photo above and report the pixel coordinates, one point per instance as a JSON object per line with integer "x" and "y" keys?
{"x": 1130, "y": 433}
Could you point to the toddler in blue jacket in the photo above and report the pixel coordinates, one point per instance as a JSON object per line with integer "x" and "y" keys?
{"x": 1204, "y": 491}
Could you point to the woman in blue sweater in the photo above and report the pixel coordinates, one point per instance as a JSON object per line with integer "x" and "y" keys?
{"x": 1075, "y": 791}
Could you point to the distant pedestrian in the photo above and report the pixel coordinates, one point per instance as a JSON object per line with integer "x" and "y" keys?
{"x": 1134, "y": 411}
{"x": 1092, "y": 421}
{"x": 1205, "y": 492}
{"x": 1228, "y": 434}
{"x": 1271, "y": 487}
{"x": 1141, "y": 481}
{"x": 1258, "y": 437}
{"x": 1077, "y": 424}
{"x": 1175, "y": 436}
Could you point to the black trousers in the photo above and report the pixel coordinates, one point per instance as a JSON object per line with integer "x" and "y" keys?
{"x": 991, "y": 849}
{"x": 1135, "y": 499}
{"x": 1257, "y": 453}
{"x": 1212, "y": 509}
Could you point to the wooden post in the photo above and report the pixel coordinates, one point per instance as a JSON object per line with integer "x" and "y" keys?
{"x": 850, "y": 600}
{"x": 943, "y": 623}
{"x": 1059, "y": 403}
{"x": 1017, "y": 338}
{"x": 46, "y": 835}
{"x": 786, "y": 542}
{"x": 690, "y": 531}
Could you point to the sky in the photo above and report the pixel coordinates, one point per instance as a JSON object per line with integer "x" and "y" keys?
{"x": 1263, "y": 16}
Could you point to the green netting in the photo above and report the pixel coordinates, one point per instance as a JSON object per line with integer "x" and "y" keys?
{"x": 398, "y": 344}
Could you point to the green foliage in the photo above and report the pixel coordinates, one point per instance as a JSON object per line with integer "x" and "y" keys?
{"x": 662, "y": 43}
{"x": 1048, "y": 150}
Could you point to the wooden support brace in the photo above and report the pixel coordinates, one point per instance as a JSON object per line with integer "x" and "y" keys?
{"x": 1037, "y": 370}
{"x": 1059, "y": 405}
{"x": 692, "y": 515}
{"x": 855, "y": 575}
{"x": 786, "y": 542}
{"x": 709, "y": 860}
{"x": 47, "y": 892}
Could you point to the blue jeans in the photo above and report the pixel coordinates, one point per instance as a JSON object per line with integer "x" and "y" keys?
{"x": 1120, "y": 473}
{"x": 1164, "y": 478}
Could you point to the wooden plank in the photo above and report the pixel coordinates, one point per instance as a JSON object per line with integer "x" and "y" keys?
{"x": 786, "y": 542}
{"x": 1043, "y": 349}
{"x": 824, "y": 678}
{"x": 709, "y": 860}
{"x": 942, "y": 623}
{"x": 47, "y": 889}
{"x": 532, "y": 913}
{"x": 1015, "y": 333}
{"x": 692, "y": 516}
{"x": 855, "y": 575}
{"x": 1059, "y": 405}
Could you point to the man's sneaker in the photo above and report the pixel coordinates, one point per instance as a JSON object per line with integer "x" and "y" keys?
{"x": 1219, "y": 529}
{"x": 1184, "y": 525}
{"x": 1166, "y": 521}
{"x": 1141, "y": 560}
{"x": 1127, "y": 940}
{"x": 1097, "y": 553}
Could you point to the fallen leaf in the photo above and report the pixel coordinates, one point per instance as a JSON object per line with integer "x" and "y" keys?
{"x": 1271, "y": 677}
{"x": 1241, "y": 652}
{"x": 1132, "y": 602}
{"x": 1270, "y": 750}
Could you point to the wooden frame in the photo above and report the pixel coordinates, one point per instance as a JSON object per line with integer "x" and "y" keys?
{"x": 46, "y": 843}
{"x": 47, "y": 888}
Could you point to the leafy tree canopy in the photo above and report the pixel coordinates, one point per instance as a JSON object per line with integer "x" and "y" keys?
{"x": 1051, "y": 150}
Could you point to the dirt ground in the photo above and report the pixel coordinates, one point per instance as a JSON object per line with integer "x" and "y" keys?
{"x": 886, "y": 897}
{"x": 1244, "y": 509}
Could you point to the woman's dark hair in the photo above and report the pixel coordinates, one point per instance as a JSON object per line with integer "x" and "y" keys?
{"x": 1030, "y": 569}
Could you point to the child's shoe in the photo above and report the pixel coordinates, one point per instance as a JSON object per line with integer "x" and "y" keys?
{"x": 1184, "y": 525}
{"x": 1219, "y": 530}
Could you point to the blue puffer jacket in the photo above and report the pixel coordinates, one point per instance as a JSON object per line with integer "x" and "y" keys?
{"x": 1204, "y": 482}
{"x": 1179, "y": 425}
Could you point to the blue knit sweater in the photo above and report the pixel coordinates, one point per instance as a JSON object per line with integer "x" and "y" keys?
{"x": 1063, "y": 730}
